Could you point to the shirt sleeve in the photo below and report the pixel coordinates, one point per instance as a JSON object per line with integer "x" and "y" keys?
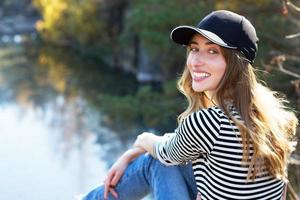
{"x": 194, "y": 136}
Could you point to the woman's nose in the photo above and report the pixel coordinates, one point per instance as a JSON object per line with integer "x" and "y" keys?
{"x": 197, "y": 59}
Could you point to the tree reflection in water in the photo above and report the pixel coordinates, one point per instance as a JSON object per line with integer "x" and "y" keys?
{"x": 84, "y": 97}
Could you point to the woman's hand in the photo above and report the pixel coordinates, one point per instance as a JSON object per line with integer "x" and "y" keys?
{"x": 117, "y": 170}
{"x": 113, "y": 176}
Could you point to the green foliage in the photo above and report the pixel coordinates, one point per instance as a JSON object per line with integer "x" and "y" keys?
{"x": 122, "y": 110}
{"x": 70, "y": 21}
{"x": 237, "y": 5}
{"x": 150, "y": 108}
{"x": 113, "y": 26}
{"x": 152, "y": 21}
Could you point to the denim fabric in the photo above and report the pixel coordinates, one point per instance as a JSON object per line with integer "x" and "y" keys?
{"x": 146, "y": 174}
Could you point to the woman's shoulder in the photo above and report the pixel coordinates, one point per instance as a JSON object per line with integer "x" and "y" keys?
{"x": 215, "y": 113}
{"x": 214, "y": 110}
{"x": 212, "y": 114}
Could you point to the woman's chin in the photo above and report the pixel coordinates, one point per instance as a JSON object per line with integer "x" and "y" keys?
{"x": 196, "y": 89}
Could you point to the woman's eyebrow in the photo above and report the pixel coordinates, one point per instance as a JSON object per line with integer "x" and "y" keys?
{"x": 192, "y": 42}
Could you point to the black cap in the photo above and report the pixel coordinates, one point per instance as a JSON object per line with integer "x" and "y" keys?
{"x": 225, "y": 28}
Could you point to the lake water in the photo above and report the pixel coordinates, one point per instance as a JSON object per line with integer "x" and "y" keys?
{"x": 37, "y": 162}
{"x": 54, "y": 143}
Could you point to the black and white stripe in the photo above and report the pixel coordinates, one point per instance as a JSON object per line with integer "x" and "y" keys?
{"x": 213, "y": 143}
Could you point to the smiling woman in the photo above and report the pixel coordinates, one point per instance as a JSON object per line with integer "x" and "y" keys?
{"x": 206, "y": 64}
{"x": 229, "y": 144}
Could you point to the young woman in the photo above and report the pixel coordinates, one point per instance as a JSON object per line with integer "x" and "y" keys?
{"x": 234, "y": 139}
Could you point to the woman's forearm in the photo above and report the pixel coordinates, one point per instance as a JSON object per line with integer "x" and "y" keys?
{"x": 132, "y": 153}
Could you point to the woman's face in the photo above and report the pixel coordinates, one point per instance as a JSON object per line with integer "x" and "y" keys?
{"x": 206, "y": 64}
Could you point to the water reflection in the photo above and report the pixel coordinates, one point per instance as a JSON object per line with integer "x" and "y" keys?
{"x": 53, "y": 143}
{"x": 68, "y": 118}
{"x": 32, "y": 162}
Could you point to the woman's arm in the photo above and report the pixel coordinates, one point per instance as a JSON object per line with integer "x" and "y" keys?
{"x": 147, "y": 141}
{"x": 117, "y": 170}
{"x": 194, "y": 136}
{"x": 175, "y": 150}
{"x": 132, "y": 153}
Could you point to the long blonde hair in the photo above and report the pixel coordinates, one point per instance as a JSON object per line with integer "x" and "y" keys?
{"x": 267, "y": 124}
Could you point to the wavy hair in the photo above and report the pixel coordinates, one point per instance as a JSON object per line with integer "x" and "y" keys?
{"x": 268, "y": 125}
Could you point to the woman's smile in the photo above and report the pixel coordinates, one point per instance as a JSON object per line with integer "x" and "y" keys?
{"x": 200, "y": 75}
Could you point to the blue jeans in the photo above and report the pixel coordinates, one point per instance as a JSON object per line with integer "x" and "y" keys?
{"x": 146, "y": 174}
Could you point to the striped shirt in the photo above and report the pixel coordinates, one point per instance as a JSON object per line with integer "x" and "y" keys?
{"x": 213, "y": 143}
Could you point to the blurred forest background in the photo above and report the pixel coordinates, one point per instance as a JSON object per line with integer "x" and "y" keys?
{"x": 130, "y": 39}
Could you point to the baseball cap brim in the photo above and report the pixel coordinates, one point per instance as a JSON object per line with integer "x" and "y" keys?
{"x": 183, "y": 34}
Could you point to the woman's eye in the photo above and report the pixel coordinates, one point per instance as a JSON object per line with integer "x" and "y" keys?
{"x": 213, "y": 51}
{"x": 194, "y": 49}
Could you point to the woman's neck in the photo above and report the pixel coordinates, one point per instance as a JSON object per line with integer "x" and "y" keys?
{"x": 211, "y": 100}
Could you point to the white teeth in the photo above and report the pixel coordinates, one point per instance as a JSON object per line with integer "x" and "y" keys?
{"x": 200, "y": 74}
